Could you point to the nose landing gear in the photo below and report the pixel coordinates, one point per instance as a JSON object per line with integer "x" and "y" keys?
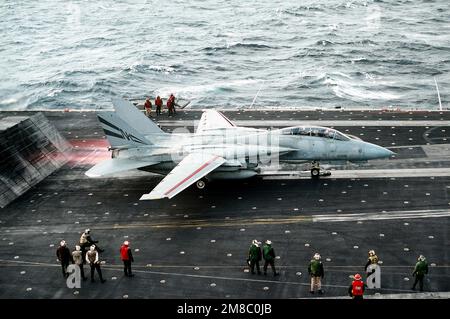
{"x": 200, "y": 184}
{"x": 316, "y": 172}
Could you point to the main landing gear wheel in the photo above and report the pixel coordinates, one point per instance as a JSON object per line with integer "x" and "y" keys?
{"x": 200, "y": 184}
{"x": 315, "y": 173}
{"x": 315, "y": 170}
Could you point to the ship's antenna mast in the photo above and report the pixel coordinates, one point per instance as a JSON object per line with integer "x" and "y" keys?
{"x": 439, "y": 96}
{"x": 254, "y": 99}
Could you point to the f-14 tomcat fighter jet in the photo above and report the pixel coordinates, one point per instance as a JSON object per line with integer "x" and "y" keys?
{"x": 217, "y": 150}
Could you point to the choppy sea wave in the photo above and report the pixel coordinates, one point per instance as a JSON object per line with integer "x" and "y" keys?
{"x": 348, "y": 53}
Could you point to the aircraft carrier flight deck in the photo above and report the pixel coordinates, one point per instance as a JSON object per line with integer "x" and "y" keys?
{"x": 195, "y": 245}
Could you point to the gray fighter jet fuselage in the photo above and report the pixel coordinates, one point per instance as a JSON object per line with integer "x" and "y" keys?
{"x": 218, "y": 149}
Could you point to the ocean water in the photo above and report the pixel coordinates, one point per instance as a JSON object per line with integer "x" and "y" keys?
{"x": 216, "y": 53}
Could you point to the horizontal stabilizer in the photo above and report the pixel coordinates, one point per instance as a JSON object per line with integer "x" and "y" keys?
{"x": 212, "y": 119}
{"x": 116, "y": 165}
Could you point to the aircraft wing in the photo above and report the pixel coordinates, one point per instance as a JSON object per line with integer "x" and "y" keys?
{"x": 193, "y": 167}
{"x": 116, "y": 165}
{"x": 212, "y": 119}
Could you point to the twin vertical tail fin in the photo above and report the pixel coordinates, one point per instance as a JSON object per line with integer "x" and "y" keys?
{"x": 127, "y": 126}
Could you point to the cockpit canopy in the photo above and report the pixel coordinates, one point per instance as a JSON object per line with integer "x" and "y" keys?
{"x": 316, "y": 131}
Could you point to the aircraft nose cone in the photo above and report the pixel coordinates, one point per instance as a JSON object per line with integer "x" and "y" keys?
{"x": 387, "y": 153}
{"x": 375, "y": 151}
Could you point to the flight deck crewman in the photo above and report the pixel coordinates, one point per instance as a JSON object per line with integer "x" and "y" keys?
{"x": 158, "y": 103}
{"x": 371, "y": 260}
{"x": 64, "y": 257}
{"x": 148, "y": 107}
{"x": 77, "y": 256}
{"x": 316, "y": 272}
{"x": 254, "y": 256}
{"x": 420, "y": 271}
{"x": 127, "y": 258}
{"x": 94, "y": 262}
{"x": 171, "y": 104}
{"x": 86, "y": 241}
{"x": 269, "y": 257}
{"x": 356, "y": 289}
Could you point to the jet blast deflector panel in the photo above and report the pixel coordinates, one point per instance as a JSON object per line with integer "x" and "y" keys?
{"x": 30, "y": 149}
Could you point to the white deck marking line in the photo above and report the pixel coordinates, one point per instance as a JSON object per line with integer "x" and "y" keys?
{"x": 17, "y": 263}
{"x": 382, "y": 216}
{"x": 213, "y": 277}
{"x": 404, "y": 172}
{"x": 328, "y": 218}
{"x": 363, "y": 173}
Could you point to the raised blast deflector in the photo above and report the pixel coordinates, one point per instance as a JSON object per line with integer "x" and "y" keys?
{"x": 31, "y": 148}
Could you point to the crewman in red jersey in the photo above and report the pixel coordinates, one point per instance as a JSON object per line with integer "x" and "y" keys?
{"x": 148, "y": 107}
{"x": 127, "y": 258}
{"x": 171, "y": 104}
{"x": 356, "y": 289}
{"x": 158, "y": 103}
